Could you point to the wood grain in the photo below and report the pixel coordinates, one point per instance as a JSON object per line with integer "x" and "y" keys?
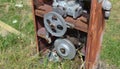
{"x": 95, "y": 33}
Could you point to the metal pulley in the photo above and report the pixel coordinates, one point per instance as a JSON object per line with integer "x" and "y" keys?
{"x": 65, "y": 48}
{"x": 55, "y": 24}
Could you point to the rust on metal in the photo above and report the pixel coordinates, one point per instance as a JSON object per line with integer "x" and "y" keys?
{"x": 94, "y": 27}
{"x": 80, "y": 23}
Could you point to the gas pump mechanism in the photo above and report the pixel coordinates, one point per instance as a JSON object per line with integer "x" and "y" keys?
{"x": 67, "y": 40}
{"x": 68, "y": 7}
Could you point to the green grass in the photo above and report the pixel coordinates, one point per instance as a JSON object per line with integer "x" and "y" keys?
{"x": 111, "y": 42}
{"x": 17, "y": 52}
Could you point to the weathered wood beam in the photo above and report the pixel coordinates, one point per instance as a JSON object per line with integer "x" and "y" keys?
{"x": 95, "y": 33}
{"x": 9, "y": 28}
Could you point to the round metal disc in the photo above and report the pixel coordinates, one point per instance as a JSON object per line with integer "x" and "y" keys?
{"x": 55, "y": 24}
{"x": 65, "y": 48}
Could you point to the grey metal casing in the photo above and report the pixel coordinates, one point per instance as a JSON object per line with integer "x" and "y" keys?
{"x": 65, "y": 7}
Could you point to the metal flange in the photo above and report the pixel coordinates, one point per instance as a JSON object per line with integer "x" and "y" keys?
{"x": 55, "y": 24}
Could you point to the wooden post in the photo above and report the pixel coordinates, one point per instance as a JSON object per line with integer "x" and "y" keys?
{"x": 35, "y": 25}
{"x": 95, "y": 32}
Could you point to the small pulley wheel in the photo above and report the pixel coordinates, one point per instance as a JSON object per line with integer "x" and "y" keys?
{"x": 55, "y": 24}
{"x": 65, "y": 48}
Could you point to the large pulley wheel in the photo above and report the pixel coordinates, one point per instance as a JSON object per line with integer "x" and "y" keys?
{"x": 65, "y": 48}
{"x": 55, "y": 24}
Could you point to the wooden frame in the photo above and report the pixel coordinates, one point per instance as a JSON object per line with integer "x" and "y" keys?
{"x": 95, "y": 34}
{"x": 94, "y": 26}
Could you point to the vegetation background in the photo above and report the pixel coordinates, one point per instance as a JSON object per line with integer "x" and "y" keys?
{"x": 19, "y": 52}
